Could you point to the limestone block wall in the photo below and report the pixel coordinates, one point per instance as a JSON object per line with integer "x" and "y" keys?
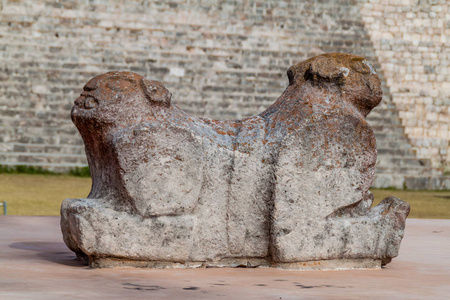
{"x": 412, "y": 41}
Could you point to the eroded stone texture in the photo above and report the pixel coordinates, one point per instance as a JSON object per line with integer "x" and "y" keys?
{"x": 287, "y": 186}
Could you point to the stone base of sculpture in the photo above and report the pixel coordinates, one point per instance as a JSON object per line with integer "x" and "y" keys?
{"x": 287, "y": 188}
{"x": 323, "y": 265}
{"x": 364, "y": 242}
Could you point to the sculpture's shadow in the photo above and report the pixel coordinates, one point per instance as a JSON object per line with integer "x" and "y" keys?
{"x": 51, "y": 251}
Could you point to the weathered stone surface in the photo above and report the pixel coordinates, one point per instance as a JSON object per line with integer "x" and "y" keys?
{"x": 287, "y": 186}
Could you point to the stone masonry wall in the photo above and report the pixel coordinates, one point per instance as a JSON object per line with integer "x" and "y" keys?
{"x": 222, "y": 59}
{"x": 412, "y": 41}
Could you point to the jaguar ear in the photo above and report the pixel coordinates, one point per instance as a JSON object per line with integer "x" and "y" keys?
{"x": 323, "y": 70}
{"x": 291, "y": 76}
{"x": 155, "y": 92}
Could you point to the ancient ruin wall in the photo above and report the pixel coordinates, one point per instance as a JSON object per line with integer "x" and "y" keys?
{"x": 412, "y": 41}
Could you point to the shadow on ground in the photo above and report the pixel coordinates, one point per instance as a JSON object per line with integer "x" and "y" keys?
{"x": 50, "y": 251}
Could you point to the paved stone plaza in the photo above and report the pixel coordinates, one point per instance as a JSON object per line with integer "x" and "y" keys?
{"x": 35, "y": 264}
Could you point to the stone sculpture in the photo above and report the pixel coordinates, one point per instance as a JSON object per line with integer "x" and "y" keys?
{"x": 287, "y": 188}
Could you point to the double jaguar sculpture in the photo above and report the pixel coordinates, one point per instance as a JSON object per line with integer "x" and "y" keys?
{"x": 288, "y": 188}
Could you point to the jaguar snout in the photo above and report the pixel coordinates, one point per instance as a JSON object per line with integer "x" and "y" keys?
{"x": 86, "y": 102}
{"x": 79, "y": 101}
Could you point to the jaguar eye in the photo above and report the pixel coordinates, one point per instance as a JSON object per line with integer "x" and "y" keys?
{"x": 90, "y": 102}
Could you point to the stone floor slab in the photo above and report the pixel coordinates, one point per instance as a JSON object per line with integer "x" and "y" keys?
{"x": 36, "y": 264}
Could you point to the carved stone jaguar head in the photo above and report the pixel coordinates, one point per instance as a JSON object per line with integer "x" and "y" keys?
{"x": 108, "y": 98}
{"x": 352, "y": 76}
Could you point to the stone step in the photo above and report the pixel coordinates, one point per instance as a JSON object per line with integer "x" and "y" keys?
{"x": 392, "y": 143}
{"x": 383, "y": 110}
{"x": 42, "y": 148}
{"x": 408, "y": 171}
{"x": 415, "y": 182}
{"x": 386, "y": 129}
{"x": 37, "y": 121}
{"x": 54, "y": 167}
{"x": 389, "y": 180}
{"x": 399, "y": 162}
{"x": 406, "y": 153}
{"x": 404, "y": 169}
{"x": 405, "y": 166}
{"x": 49, "y": 136}
{"x": 394, "y": 135}
{"x": 43, "y": 159}
{"x": 383, "y": 120}
{"x": 427, "y": 183}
